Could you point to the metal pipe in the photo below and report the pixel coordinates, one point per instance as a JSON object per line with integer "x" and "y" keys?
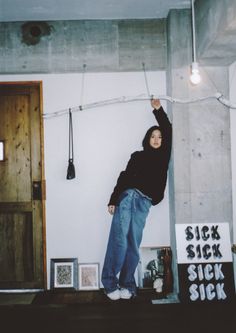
{"x": 193, "y": 31}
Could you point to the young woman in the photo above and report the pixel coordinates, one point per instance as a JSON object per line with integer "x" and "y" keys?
{"x": 139, "y": 186}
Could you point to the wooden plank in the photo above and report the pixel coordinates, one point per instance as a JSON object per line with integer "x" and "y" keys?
{"x": 38, "y": 241}
{"x": 7, "y": 207}
{"x": 15, "y": 180}
{"x": 17, "y": 88}
{"x": 22, "y": 148}
{"x": 35, "y": 130}
{"x": 40, "y": 85}
{"x": 16, "y": 254}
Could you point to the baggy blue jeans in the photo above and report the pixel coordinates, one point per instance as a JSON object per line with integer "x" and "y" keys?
{"x": 122, "y": 254}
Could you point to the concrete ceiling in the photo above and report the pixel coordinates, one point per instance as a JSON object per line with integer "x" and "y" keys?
{"x": 50, "y": 10}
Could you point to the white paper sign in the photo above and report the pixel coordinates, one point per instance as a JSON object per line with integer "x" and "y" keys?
{"x": 203, "y": 242}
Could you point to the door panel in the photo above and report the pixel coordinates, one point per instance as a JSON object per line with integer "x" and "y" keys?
{"x": 22, "y": 232}
{"x": 15, "y": 130}
{"x": 17, "y": 251}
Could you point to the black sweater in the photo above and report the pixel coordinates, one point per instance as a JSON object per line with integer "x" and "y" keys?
{"x": 147, "y": 169}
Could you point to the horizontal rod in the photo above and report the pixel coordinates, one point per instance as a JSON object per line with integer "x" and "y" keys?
{"x": 126, "y": 99}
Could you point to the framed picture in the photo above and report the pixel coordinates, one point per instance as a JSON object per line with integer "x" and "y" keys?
{"x": 89, "y": 276}
{"x": 150, "y": 267}
{"x": 64, "y": 273}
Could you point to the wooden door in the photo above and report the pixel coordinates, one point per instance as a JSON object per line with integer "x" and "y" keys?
{"x": 22, "y": 232}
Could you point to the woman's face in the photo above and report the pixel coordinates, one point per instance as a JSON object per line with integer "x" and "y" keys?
{"x": 155, "y": 139}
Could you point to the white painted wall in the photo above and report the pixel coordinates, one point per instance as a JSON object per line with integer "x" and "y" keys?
{"x": 232, "y": 96}
{"x": 77, "y": 222}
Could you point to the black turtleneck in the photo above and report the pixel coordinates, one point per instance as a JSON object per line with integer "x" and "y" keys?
{"x": 147, "y": 169}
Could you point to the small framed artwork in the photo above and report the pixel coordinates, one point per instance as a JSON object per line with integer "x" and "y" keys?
{"x": 64, "y": 273}
{"x": 89, "y": 276}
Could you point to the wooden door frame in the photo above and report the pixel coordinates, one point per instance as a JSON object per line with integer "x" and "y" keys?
{"x": 39, "y": 84}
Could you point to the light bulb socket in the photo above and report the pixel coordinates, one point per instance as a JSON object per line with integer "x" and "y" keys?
{"x": 195, "y": 77}
{"x": 195, "y": 68}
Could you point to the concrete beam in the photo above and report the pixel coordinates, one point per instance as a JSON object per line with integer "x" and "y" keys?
{"x": 64, "y": 46}
{"x": 216, "y": 32}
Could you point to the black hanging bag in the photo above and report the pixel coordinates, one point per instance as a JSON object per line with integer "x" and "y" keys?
{"x": 71, "y": 167}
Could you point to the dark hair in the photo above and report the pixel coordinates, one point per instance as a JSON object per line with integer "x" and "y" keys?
{"x": 146, "y": 139}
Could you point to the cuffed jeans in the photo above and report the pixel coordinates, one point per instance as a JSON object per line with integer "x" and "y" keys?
{"x": 122, "y": 254}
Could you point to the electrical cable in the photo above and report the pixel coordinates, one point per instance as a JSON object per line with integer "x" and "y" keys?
{"x": 146, "y": 81}
{"x": 193, "y": 31}
{"x": 82, "y": 84}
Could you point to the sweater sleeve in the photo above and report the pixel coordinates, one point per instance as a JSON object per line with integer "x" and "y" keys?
{"x": 124, "y": 179}
{"x": 166, "y": 130}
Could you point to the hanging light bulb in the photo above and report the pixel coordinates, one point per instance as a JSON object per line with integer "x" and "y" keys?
{"x": 195, "y": 77}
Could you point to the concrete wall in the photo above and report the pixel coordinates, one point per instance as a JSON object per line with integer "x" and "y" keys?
{"x": 232, "y": 82}
{"x": 216, "y": 31}
{"x": 200, "y": 191}
{"x": 64, "y": 46}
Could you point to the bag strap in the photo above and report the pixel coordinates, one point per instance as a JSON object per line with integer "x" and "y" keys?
{"x": 71, "y": 148}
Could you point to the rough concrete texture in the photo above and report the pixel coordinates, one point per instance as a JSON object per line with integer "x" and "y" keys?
{"x": 200, "y": 170}
{"x": 102, "y": 45}
{"x": 179, "y": 50}
{"x": 201, "y": 145}
{"x": 216, "y": 31}
{"x": 178, "y": 55}
{"x": 120, "y": 45}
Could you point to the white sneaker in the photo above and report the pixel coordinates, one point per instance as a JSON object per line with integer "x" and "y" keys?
{"x": 114, "y": 295}
{"x": 125, "y": 294}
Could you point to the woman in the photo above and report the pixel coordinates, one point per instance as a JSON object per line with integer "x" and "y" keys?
{"x": 141, "y": 185}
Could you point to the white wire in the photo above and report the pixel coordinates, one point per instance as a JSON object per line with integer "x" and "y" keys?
{"x": 125, "y": 99}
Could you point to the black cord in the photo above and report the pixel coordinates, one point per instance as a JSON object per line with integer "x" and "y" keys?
{"x": 71, "y": 167}
{"x": 71, "y": 146}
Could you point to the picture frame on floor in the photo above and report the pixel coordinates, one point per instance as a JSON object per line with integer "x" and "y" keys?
{"x": 89, "y": 276}
{"x": 64, "y": 273}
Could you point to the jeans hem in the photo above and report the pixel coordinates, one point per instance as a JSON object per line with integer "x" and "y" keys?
{"x": 132, "y": 291}
{"x": 106, "y": 291}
